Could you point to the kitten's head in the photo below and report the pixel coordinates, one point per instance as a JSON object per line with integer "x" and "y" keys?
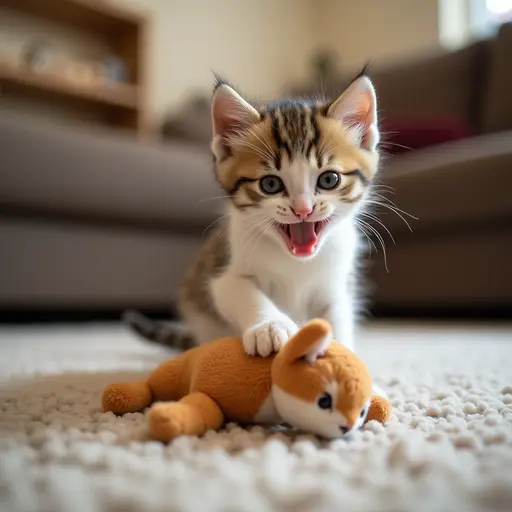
{"x": 295, "y": 169}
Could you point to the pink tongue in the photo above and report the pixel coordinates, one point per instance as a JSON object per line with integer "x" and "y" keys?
{"x": 303, "y": 237}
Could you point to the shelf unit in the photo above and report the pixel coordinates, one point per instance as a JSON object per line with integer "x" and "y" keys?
{"x": 124, "y": 32}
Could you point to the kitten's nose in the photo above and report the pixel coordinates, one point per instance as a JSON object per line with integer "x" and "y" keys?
{"x": 303, "y": 213}
{"x": 302, "y": 206}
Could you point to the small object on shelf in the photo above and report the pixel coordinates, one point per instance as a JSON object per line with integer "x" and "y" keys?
{"x": 40, "y": 56}
{"x": 80, "y": 72}
{"x": 114, "y": 69}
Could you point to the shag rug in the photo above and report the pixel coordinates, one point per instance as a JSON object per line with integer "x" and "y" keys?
{"x": 448, "y": 446}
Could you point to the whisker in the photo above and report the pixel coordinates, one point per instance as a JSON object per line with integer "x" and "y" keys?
{"x": 252, "y": 233}
{"x": 389, "y": 143}
{"x": 381, "y": 241}
{"x": 226, "y": 231}
{"x": 213, "y": 224}
{"x": 393, "y": 210}
{"x": 370, "y": 241}
{"x": 214, "y": 198}
{"x": 388, "y": 188}
{"x": 391, "y": 203}
{"x": 257, "y": 240}
{"x": 378, "y": 221}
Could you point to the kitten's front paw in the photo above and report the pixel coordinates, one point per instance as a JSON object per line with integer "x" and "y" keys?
{"x": 268, "y": 337}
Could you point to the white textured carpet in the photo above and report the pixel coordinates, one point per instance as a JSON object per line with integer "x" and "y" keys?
{"x": 448, "y": 447}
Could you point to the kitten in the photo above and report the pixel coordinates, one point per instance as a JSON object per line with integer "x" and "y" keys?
{"x": 296, "y": 173}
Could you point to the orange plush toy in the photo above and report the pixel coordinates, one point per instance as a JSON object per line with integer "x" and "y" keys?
{"x": 312, "y": 383}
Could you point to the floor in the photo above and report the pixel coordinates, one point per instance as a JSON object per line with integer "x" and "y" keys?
{"x": 447, "y": 447}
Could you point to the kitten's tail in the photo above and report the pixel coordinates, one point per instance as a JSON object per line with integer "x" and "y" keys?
{"x": 171, "y": 334}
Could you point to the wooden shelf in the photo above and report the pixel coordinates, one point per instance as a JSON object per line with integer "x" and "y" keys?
{"x": 116, "y": 95}
{"x": 90, "y": 15}
{"x": 124, "y": 35}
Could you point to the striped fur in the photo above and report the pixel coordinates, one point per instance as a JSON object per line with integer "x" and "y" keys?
{"x": 172, "y": 334}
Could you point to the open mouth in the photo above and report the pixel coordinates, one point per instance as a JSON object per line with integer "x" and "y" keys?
{"x": 302, "y": 237}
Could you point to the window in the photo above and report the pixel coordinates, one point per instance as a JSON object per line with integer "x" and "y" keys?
{"x": 486, "y": 16}
{"x": 463, "y": 20}
{"x": 499, "y": 11}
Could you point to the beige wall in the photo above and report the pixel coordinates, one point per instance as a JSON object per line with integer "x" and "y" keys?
{"x": 380, "y": 30}
{"x": 260, "y": 45}
{"x": 263, "y": 45}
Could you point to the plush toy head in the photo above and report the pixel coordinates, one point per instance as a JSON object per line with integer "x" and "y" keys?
{"x": 319, "y": 385}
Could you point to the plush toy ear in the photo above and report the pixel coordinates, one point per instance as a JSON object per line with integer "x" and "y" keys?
{"x": 231, "y": 115}
{"x": 356, "y": 109}
{"x": 309, "y": 343}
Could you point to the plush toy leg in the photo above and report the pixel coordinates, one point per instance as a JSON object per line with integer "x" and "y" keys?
{"x": 165, "y": 381}
{"x": 126, "y": 397}
{"x": 380, "y": 409}
{"x": 192, "y": 415}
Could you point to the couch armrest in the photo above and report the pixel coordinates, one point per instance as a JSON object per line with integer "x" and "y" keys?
{"x": 460, "y": 183}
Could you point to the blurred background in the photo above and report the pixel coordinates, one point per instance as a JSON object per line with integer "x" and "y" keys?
{"x": 105, "y": 170}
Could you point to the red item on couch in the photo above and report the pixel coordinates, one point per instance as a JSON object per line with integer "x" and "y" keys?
{"x": 400, "y": 135}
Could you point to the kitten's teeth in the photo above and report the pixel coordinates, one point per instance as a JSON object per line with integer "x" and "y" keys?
{"x": 294, "y": 251}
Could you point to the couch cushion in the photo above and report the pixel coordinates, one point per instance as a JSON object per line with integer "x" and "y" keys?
{"x": 465, "y": 182}
{"x": 440, "y": 85}
{"x": 55, "y": 265}
{"x": 48, "y": 169}
{"x": 497, "y": 111}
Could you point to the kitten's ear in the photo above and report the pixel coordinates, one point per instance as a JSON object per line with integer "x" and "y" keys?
{"x": 231, "y": 115}
{"x": 356, "y": 109}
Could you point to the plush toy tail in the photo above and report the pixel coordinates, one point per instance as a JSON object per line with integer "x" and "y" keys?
{"x": 380, "y": 409}
{"x": 165, "y": 382}
{"x": 126, "y": 397}
{"x": 172, "y": 334}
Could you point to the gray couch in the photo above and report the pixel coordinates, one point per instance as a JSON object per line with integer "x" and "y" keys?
{"x": 92, "y": 220}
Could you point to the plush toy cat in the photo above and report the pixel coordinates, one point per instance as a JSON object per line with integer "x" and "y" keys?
{"x": 312, "y": 383}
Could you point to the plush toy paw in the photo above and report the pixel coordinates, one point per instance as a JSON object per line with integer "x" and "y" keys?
{"x": 126, "y": 397}
{"x": 193, "y": 415}
{"x": 268, "y": 337}
{"x": 380, "y": 409}
{"x": 166, "y": 421}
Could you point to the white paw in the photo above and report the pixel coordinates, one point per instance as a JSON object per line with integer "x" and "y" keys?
{"x": 268, "y": 337}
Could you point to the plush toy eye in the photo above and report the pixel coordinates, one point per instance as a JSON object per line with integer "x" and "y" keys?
{"x": 328, "y": 180}
{"x": 271, "y": 185}
{"x": 325, "y": 401}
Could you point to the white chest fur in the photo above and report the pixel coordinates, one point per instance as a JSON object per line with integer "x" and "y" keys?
{"x": 299, "y": 288}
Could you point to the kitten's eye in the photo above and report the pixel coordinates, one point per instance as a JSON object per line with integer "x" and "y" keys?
{"x": 363, "y": 412}
{"x": 328, "y": 180}
{"x": 271, "y": 185}
{"x": 325, "y": 401}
